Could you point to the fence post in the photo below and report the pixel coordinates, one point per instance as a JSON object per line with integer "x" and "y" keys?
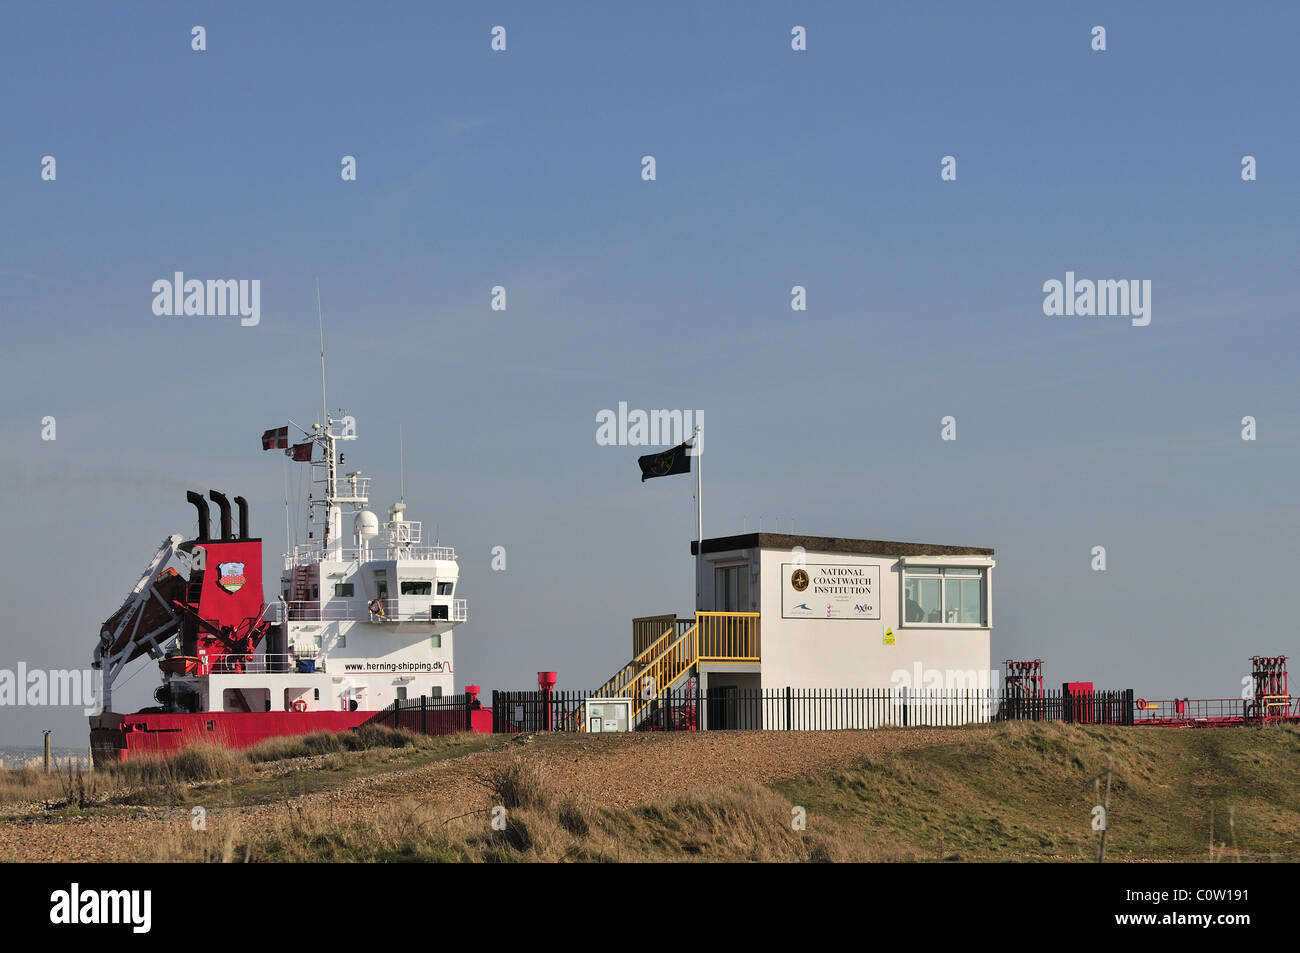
{"x": 1128, "y": 706}
{"x": 424, "y": 716}
{"x": 788, "y": 710}
{"x": 469, "y": 718}
{"x": 904, "y": 706}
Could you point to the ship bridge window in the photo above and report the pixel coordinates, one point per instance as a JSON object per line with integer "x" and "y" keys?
{"x": 343, "y": 589}
{"x": 417, "y": 587}
{"x": 444, "y": 588}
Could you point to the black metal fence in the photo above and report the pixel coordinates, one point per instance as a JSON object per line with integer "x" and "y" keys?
{"x": 444, "y": 715}
{"x": 533, "y": 711}
{"x": 799, "y": 709}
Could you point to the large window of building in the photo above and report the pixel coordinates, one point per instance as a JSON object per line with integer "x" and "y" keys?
{"x": 944, "y": 595}
{"x": 444, "y": 588}
{"x": 417, "y": 587}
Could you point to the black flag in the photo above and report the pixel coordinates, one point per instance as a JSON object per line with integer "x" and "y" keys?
{"x": 669, "y": 463}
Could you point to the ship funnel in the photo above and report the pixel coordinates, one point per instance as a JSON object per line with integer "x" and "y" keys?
{"x": 243, "y": 516}
{"x": 201, "y": 505}
{"x": 223, "y": 505}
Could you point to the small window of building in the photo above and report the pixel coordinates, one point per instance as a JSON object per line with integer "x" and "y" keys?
{"x": 436, "y": 639}
{"x": 444, "y": 588}
{"x": 417, "y": 587}
{"x": 343, "y": 641}
{"x": 731, "y": 588}
{"x": 316, "y": 694}
{"x": 401, "y": 693}
{"x": 438, "y": 612}
{"x": 437, "y": 691}
{"x": 343, "y": 589}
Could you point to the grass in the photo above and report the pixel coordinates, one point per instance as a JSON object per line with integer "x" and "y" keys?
{"x": 1028, "y": 792}
{"x": 1009, "y": 792}
{"x": 212, "y": 774}
{"x": 1015, "y": 792}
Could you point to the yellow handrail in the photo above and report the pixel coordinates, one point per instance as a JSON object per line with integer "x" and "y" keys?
{"x": 711, "y": 637}
{"x": 665, "y": 669}
{"x": 728, "y": 636}
{"x": 626, "y": 674}
{"x": 653, "y": 649}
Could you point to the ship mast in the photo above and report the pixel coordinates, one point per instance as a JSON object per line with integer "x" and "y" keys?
{"x": 324, "y": 436}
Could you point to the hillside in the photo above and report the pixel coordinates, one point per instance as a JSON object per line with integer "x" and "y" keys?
{"x": 1006, "y": 792}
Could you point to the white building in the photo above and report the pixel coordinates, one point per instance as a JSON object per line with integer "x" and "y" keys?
{"x": 848, "y": 613}
{"x": 780, "y": 611}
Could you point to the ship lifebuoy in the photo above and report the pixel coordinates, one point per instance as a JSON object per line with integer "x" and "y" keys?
{"x": 299, "y": 705}
{"x": 376, "y": 607}
{"x": 1142, "y": 704}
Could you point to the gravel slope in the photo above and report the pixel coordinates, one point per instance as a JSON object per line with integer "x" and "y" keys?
{"x": 610, "y": 770}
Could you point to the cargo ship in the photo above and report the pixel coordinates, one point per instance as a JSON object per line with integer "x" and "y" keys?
{"x": 361, "y": 622}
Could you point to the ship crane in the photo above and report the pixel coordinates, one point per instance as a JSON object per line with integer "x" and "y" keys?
{"x": 174, "y": 605}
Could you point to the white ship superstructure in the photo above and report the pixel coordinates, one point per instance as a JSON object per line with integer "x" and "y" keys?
{"x": 369, "y": 614}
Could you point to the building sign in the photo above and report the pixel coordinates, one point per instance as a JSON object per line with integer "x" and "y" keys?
{"x": 889, "y": 636}
{"x": 830, "y": 591}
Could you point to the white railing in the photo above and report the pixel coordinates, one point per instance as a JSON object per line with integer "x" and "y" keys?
{"x": 358, "y": 489}
{"x": 402, "y": 532}
{"x": 282, "y": 663}
{"x": 311, "y": 555}
{"x": 339, "y": 610}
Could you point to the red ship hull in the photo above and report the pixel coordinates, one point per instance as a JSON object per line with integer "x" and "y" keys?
{"x": 114, "y": 737}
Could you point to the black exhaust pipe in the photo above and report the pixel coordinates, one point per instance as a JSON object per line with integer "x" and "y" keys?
{"x": 201, "y": 505}
{"x": 243, "y": 516}
{"x": 223, "y": 505}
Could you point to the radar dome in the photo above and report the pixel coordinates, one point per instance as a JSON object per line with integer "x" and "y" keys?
{"x": 366, "y": 525}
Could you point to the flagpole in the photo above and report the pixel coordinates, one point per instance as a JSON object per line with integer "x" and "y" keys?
{"x": 699, "y": 518}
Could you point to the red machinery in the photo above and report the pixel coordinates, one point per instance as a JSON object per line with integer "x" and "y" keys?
{"x": 1023, "y": 695}
{"x": 1269, "y": 701}
{"x": 215, "y": 615}
{"x": 1272, "y": 701}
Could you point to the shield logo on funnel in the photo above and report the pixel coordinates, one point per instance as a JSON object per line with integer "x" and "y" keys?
{"x": 232, "y": 576}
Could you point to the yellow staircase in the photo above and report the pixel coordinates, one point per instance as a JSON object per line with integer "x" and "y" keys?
{"x": 710, "y": 636}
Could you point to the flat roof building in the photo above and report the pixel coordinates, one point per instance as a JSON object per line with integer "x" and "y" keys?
{"x": 847, "y": 613}
{"x": 777, "y": 611}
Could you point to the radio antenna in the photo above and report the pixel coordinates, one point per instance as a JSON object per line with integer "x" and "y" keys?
{"x": 401, "y": 450}
{"x": 320, "y": 319}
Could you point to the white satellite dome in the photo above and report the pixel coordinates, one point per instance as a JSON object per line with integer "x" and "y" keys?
{"x": 366, "y": 525}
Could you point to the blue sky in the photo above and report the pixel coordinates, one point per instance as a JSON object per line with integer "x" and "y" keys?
{"x": 775, "y": 168}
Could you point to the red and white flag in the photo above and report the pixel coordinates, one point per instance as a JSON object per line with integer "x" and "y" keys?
{"x": 275, "y": 439}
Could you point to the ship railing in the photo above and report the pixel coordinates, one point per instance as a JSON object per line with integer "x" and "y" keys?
{"x": 311, "y": 555}
{"x": 268, "y": 664}
{"x": 403, "y": 532}
{"x": 340, "y": 610}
